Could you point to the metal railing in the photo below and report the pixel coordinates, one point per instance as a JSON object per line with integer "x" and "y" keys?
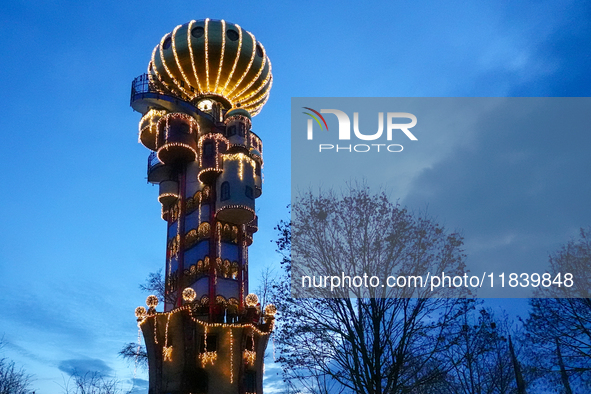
{"x": 153, "y": 161}
{"x": 142, "y": 84}
{"x": 147, "y": 83}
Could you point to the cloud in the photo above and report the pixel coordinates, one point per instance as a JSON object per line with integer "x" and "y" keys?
{"x": 83, "y": 366}
{"x": 520, "y": 189}
{"x": 139, "y": 386}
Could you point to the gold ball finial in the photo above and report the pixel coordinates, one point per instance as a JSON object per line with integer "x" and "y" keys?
{"x": 270, "y": 310}
{"x": 189, "y": 294}
{"x": 251, "y": 300}
{"x": 140, "y": 312}
{"x": 152, "y": 301}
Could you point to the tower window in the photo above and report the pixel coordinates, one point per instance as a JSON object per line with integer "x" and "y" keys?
{"x": 248, "y": 192}
{"x": 166, "y": 43}
{"x": 241, "y": 129}
{"x": 231, "y": 130}
{"x": 250, "y": 381}
{"x": 210, "y": 346}
{"x": 198, "y": 32}
{"x": 259, "y": 50}
{"x": 232, "y": 34}
{"x": 225, "y": 191}
{"x": 208, "y": 149}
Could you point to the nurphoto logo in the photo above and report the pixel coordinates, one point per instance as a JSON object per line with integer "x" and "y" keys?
{"x": 345, "y": 130}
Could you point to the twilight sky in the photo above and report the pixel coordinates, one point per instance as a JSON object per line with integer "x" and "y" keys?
{"x": 81, "y": 228}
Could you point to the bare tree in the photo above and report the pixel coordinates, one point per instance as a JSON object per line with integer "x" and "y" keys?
{"x": 134, "y": 353}
{"x": 154, "y": 285}
{"x": 559, "y": 329}
{"x": 265, "y": 287}
{"x": 13, "y": 380}
{"x": 91, "y": 383}
{"x": 365, "y": 345}
{"x": 480, "y": 353}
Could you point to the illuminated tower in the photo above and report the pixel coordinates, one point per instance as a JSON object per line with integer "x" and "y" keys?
{"x": 205, "y": 81}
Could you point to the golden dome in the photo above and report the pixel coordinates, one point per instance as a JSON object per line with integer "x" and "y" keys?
{"x": 213, "y": 59}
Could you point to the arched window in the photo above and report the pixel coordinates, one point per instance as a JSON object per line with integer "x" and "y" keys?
{"x": 208, "y": 149}
{"x": 248, "y": 192}
{"x": 225, "y": 191}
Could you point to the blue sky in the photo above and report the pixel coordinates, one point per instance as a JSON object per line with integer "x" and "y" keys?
{"x": 81, "y": 228}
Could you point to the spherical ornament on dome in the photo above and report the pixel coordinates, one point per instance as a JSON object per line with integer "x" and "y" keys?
{"x": 140, "y": 312}
{"x": 210, "y": 59}
{"x": 189, "y": 295}
{"x": 152, "y": 301}
{"x": 270, "y": 310}
{"x": 237, "y": 112}
{"x": 251, "y": 300}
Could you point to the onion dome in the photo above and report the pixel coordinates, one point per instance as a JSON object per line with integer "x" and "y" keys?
{"x": 237, "y": 112}
{"x": 213, "y": 59}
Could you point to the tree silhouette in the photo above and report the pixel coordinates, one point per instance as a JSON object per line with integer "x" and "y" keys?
{"x": 559, "y": 329}
{"x": 13, "y": 380}
{"x": 392, "y": 344}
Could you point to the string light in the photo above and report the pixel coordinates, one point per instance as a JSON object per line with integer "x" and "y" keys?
{"x": 178, "y": 62}
{"x": 241, "y": 158}
{"x": 148, "y": 125}
{"x": 153, "y": 69}
{"x": 232, "y": 117}
{"x": 139, "y": 346}
{"x": 167, "y": 350}
{"x": 249, "y": 64}
{"x": 208, "y": 357}
{"x": 203, "y": 323}
{"x": 164, "y": 195}
{"x": 262, "y": 85}
{"x": 161, "y": 53}
{"x": 207, "y": 54}
{"x": 167, "y": 353}
{"x": 250, "y": 357}
{"x": 190, "y": 44}
{"x": 258, "y": 74}
{"x": 217, "y": 80}
{"x": 235, "y": 206}
{"x": 231, "y": 357}
{"x": 236, "y": 59}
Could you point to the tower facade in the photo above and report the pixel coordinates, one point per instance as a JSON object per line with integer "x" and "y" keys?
{"x": 205, "y": 81}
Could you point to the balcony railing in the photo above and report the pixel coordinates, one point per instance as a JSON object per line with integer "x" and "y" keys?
{"x": 153, "y": 161}
{"x": 146, "y": 83}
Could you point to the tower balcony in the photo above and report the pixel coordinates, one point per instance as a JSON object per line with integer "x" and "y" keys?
{"x": 157, "y": 170}
{"x": 146, "y": 95}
